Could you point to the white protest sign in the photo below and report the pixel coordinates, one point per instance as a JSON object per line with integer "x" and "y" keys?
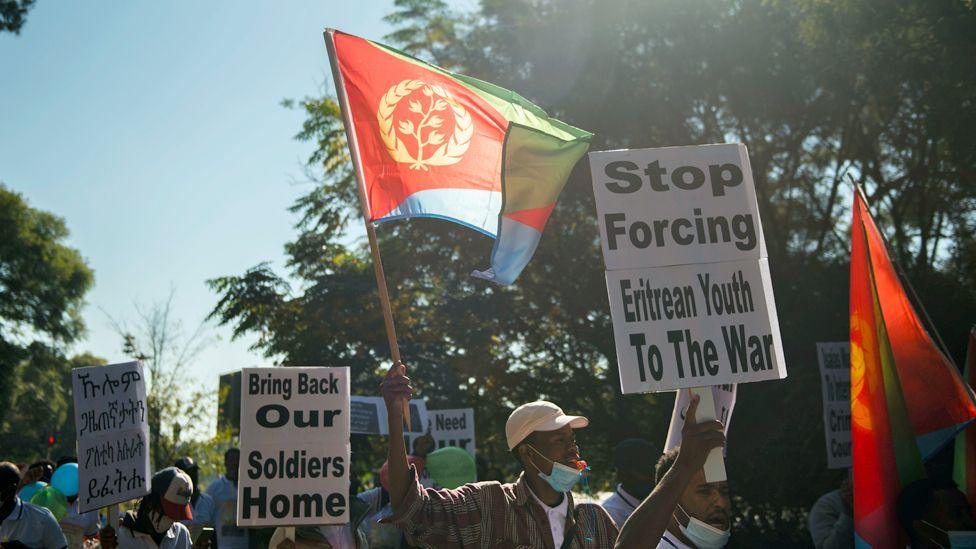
{"x": 676, "y": 205}
{"x": 835, "y": 382}
{"x": 453, "y": 428}
{"x": 369, "y": 417}
{"x": 695, "y": 325}
{"x": 294, "y": 447}
{"x": 112, "y": 432}
{"x": 724, "y": 399}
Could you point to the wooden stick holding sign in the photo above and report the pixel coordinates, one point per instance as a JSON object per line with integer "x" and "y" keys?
{"x": 715, "y": 463}
{"x": 364, "y": 203}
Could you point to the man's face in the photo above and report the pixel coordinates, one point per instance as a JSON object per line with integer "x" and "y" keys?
{"x": 559, "y": 446}
{"x": 231, "y": 463}
{"x": 950, "y": 511}
{"x": 707, "y": 502}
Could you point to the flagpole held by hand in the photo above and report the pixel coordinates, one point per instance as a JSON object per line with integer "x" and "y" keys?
{"x": 364, "y": 203}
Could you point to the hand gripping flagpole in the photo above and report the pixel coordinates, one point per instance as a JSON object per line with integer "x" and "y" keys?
{"x": 364, "y": 203}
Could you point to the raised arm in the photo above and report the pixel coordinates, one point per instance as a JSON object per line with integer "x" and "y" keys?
{"x": 396, "y": 391}
{"x": 648, "y": 522}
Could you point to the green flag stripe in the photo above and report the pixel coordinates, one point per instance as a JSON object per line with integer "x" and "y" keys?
{"x": 512, "y": 106}
{"x": 536, "y": 167}
{"x": 908, "y": 460}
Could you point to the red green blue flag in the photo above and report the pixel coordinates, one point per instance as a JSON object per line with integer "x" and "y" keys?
{"x": 964, "y": 464}
{"x": 907, "y": 398}
{"x": 436, "y": 144}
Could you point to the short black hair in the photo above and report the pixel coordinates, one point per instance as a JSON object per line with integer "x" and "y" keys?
{"x": 233, "y": 450}
{"x": 514, "y": 451}
{"x": 9, "y": 475}
{"x": 66, "y": 459}
{"x": 664, "y": 464}
{"x": 916, "y": 498}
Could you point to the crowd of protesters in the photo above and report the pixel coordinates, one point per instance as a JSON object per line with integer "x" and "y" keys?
{"x": 430, "y": 498}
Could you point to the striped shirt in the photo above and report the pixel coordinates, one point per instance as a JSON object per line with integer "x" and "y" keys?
{"x": 491, "y": 514}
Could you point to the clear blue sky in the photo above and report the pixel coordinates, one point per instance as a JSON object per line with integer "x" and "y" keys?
{"x": 154, "y": 129}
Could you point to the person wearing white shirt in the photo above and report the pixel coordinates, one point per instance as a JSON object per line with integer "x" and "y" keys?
{"x": 22, "y": 522}
{"x": 634, "y": 460}
{"x": 78, "y": 526}
{"x": 224, "y": 494}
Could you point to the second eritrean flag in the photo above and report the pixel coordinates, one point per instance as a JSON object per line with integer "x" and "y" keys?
{"x": 437, "y": 144}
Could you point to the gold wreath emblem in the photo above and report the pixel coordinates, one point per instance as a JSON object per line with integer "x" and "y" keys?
{"x": 432, "y": 150}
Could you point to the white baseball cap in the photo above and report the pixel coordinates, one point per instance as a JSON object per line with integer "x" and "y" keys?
{"x": 538, "y": 416}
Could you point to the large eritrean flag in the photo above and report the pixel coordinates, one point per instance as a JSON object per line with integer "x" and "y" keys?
{"x": 437, "y": 144}
{"x": 907, "y": 399}
{"x": 964, "y": 465}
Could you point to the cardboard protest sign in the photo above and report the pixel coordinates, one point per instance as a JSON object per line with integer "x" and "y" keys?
{"x": 112, "y": 432}
{"x": 724, "y": 398}
{"x": 835, "y": 383}
{"x": 453, "y": 428}
{"x": 369, "y": 416}
{"x": 294, "y": 447}
{"x": 676, "y": 205}
{"x": 687, "y": 277}
{"x": 695, "y": 325}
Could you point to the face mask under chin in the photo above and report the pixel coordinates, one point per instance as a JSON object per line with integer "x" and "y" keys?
{"x": 701, "y": 534}
{"x": 562, "y": 478}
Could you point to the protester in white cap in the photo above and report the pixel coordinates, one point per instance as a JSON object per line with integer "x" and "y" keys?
{"x": 155, "y": 523}
{"x": 535, "y": 511}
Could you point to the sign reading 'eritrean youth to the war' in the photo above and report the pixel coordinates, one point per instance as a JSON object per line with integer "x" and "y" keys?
{"x": 687, "y": 276}
{"x": 835, "y": 383}
{"x": 294, "y": 447}
{"x": 112, "y": 432}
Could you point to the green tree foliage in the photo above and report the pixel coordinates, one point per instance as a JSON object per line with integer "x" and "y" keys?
{"x": 42, "y": 286}
{"x": 178, "y": 412}
{"x": 13, "y": 14}
{"x": 42, "y": 408}
{"x": 880, "y": 90}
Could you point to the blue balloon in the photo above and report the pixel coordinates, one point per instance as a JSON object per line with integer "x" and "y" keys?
{"x": 28, "y": 491}
{"x": 65, "y": 479}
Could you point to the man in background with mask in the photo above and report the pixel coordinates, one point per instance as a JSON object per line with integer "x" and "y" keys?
{"x": 935, "y": 513}
{"x": 702, "y": 517}
{"x": 535, "y": 511}
{"x": 154, "y": 523}
{"x": 635, "y": 477}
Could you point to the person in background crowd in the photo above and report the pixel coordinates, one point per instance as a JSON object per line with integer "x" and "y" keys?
{"x": 78, "y": 526}
{"x": 831, "y": 520}
{"x": 224, "y": 494}
{"x": 201, "y": 503}
{"x": 154, "y": 523}
{"x": 21, "y": 523}
{"x": 683, "y": 510}
{"x": 537, "y": 510}
{"x": 329, "y": 536}
{"x": 932, "y": 512}
{"x": 634, "y": 459}
{"x": 39, "y": 471}
{"x": 384, "y": 535}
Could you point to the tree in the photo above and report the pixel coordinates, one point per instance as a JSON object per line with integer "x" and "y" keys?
{"x": 42, "y": 286}
{"x": 642, "y": 74}
{"x": 178, "y": 410}
{"x": 13, "y": 14}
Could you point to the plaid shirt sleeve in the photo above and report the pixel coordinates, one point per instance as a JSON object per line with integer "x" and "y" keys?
{"x": 434, "y": 518}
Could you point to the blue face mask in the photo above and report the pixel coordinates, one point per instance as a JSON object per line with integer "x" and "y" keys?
{"x": 562, "y": 478}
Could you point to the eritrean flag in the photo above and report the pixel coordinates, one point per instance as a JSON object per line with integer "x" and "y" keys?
{"x": 907, "y": 398}
{"x": 964, "y": 465}
{"x": 432, "y": 143}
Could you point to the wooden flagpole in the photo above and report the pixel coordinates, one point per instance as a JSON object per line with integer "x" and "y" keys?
{"x": 364, "y": 203}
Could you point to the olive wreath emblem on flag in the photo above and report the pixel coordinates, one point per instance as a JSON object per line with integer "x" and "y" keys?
{"x": 431, "y": 147}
